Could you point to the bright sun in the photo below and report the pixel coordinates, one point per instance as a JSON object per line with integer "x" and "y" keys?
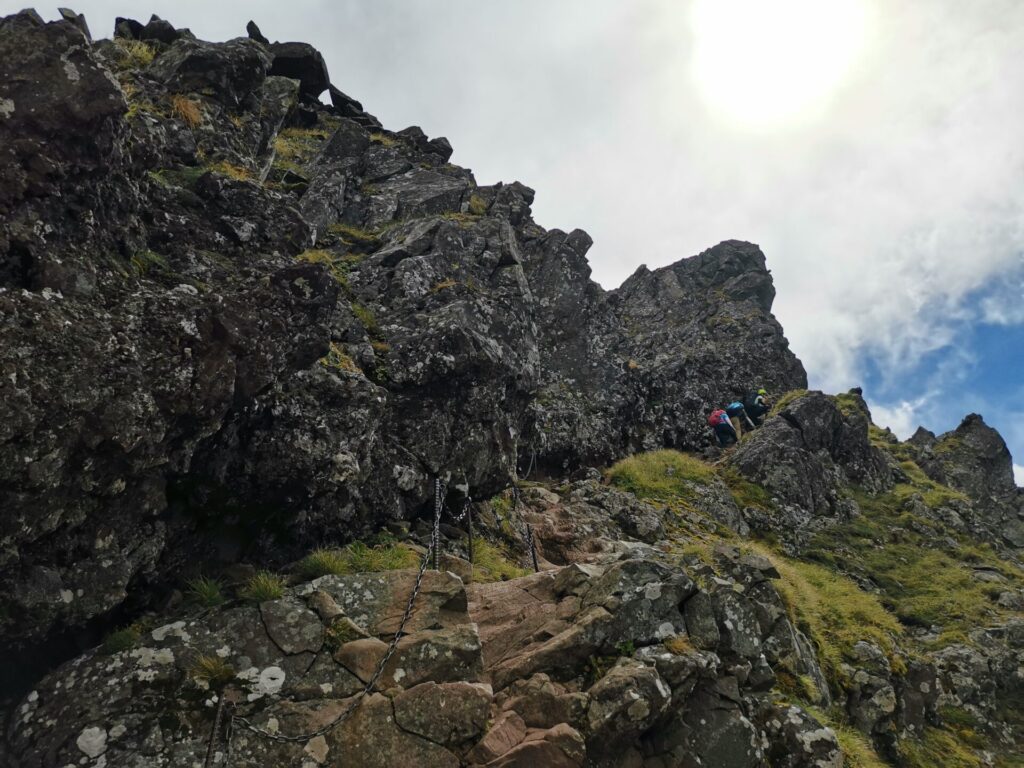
{"x": 768, "y": 62}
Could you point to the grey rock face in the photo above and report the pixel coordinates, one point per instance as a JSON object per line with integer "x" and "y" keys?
{"x": 643, "y": 597}
{"x": 234, "y": 71}
{"x": 623, "y": 367}
{"x": 113, "y": 377}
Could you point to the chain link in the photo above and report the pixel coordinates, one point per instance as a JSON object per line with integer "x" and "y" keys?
{"x": 244, "y": 722}
{"x": 525, "y": 529}
{"x": 529, "y": 469}
{"x": 532, "y": 546}
{"x": 465, "y": 511}
{"x": 215, "y": 732}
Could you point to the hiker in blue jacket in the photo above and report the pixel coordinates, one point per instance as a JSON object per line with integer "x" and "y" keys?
{"x": 738, "y": 416}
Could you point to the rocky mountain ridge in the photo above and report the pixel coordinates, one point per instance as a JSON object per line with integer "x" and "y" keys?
{"x": 222, "y": 295}
{"x": 240, "y": 324}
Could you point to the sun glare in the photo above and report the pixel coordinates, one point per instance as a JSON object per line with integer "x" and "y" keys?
{"x": 762, "y": 63}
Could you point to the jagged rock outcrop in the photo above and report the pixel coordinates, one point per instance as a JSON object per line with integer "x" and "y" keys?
{"x": 165, "y": 312}
{"x": 624, "y": 369}
{"x": 807, "y": 459}
{"x": 974, "y": 459}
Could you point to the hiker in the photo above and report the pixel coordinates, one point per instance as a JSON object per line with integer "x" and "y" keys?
{"x": 738, "y": 416}
{"x": 719, "y": 422}
{"x": 756, "y": 405}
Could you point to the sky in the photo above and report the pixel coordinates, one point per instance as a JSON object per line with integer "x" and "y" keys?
{"x": 872, "y": 149}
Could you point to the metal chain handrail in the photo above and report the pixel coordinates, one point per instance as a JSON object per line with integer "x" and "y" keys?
{"x": 218, "y": 718}
{"x": 526, "y": 530}
{"x": 244, "y": 722}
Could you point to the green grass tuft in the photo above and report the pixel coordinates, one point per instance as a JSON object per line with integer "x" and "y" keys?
{"x": 187, "y": 110}
{"x": 365, "y": 316}
{"x": 339, "y": 633}
{"x": 848, "y": 404}
{"x": 135, "y": 54}
{"x": 263, "y": 586}
{"x": 232, "y": 171}
{"x": 460, "y": 218}
{"x": 858, "y": 750}
{"x": 477, "y": 205}
{"x": 336, "y": 264}
{"x": 745, "y": 493}
{"x": 322, "y": 562}
{"x": 355, "y": 236}
{"x": 337, "y": 358}
{"x": 294, "y": 147}
{"x": 660, "y": 474}
{"x": 937, "y": 747}
{"x": 144, "y": 262}
{"x": 213, "y": 670}
{"x": 491, "y": 563}
{"x": 121, "y": 640}
{"x": 502, "y": 504}
{"x": 679, "y": 645}
{"x": 357, "y": 557}
{"x": 935, "y": 495}
{"x": 786, "y": 399}
{"x": 206, "y": 591}
{"x": 383, "y": 139}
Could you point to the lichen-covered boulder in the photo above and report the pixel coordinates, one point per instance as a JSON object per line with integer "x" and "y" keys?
{"x": 800, "y": 741}
{"x": 543, "y": 703}
{"x": 870, "y": 697}
{"x": 643, "y": 597}
{"x": 624, "y": 704}
{"x": 712, "y": 731}
{"x": 449, "y": 714}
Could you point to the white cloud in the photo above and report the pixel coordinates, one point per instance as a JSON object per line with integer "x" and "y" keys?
{"x": 1005, "y": 305}
{"x": 1018, "y": 475}
{"x": 903, "y": 418}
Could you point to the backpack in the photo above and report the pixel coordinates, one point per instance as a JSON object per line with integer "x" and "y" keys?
{"x": 750, "y": 401}
{"x": 734, "y": 409}
{"x": 716, "y": 417}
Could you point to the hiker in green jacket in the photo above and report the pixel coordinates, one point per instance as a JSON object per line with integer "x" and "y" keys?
{"x": 756, "y": 405}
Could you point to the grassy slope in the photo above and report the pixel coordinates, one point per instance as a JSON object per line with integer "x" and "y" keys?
{"x": 921, "y": 568}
